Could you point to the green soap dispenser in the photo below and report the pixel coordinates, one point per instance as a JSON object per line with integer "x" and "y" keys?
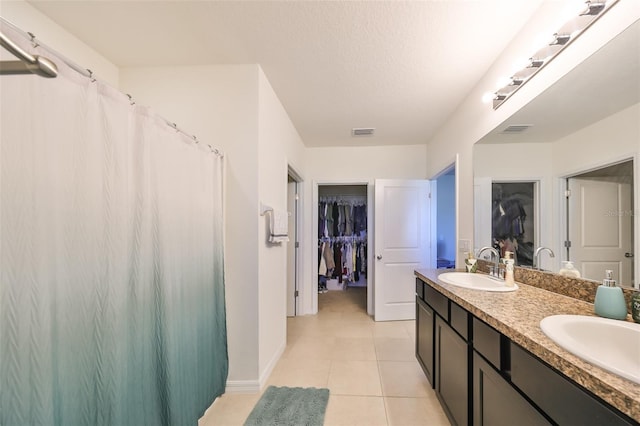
{"x": 609, "y": 299}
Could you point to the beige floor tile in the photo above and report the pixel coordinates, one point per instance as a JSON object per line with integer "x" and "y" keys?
{"x": 300, "y": 372}
{"x": 230, "y": 410}
{"x": 316, "y": 326}
{"x": 415, "y": 412}
{"x": 353, "y": 349}
{"x": 403, "y": 379}
{"x": 392, "y": 349}
{"x": 356, "y": 315}
{"x": 355, "y": 411}
{"x": 312, "y": 347}
{"x": 397, "y": 329}
{"x": 355, "y": 329}
{"x": 354, "y": 378}
{"x": 328, "y": 315}
{"x": 410, "y": 326}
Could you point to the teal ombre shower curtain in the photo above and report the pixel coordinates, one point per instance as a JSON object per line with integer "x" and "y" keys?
{"x": 112, "y": 304}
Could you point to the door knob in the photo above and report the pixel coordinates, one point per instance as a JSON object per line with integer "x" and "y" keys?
{"x": 379, "y": 257}
{"x": 628, "y": 255}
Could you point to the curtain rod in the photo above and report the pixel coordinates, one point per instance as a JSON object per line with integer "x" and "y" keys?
{"x": 46, "y": 68}
{"x": 28, "y": 64}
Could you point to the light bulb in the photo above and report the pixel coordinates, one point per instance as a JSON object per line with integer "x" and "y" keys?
{"x": 488, "y": 97}
{"x": 520, "y": 64}
{"x": 542, "y": 40}
{"x": 503, "y": 81}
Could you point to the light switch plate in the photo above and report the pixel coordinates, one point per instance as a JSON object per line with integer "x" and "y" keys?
{"x": 463, "y": 245}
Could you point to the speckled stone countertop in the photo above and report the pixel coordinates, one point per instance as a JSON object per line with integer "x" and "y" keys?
{"x": 517, "y": 315}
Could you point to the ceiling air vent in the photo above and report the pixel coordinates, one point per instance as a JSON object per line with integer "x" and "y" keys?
{"x": 363, "y": 131}
{"x": 516, "y": 128}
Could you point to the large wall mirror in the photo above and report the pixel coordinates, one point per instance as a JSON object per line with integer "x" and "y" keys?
{"x": 578, "y": 144}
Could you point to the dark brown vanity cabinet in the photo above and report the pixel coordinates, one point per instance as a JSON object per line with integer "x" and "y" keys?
{"x": 482, "y": 378}
{"x": 443, "y": 351}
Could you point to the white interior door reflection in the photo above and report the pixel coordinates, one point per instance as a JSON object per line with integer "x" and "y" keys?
{"x": 601, "y": 227}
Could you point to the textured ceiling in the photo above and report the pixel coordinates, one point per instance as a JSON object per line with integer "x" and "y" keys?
{"x": 401, "y": 67}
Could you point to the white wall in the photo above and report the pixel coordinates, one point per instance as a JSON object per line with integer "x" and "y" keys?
{"x": 52, "y": 35}
{"x": 610, "y": 140}
{"x": 355, "y": 165}
{"x": 279, "y": 146}
{"x": 473, "y": 119}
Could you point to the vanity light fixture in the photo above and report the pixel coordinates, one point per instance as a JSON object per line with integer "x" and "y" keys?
{"x": 567, "y": 32}
{"x": 560, "y": 39}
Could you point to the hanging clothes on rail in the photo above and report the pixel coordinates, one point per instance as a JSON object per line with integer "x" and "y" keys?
{"x": 360, "y": 220}
{"x": 342, "y": 235}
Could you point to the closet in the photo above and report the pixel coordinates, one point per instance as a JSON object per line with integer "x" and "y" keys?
{"x": 342, "y": 237}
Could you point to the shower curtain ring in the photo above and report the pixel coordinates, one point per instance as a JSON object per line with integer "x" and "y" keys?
{"x": 34, "y": 43}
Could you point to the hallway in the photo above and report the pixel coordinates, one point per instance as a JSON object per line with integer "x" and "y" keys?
{"x": 369, "y": 368}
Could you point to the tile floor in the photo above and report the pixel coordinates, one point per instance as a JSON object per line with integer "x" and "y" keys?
{"x": 369, "y": 368}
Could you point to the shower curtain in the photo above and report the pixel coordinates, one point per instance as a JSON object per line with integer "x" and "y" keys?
{"x": 112, "y": 291}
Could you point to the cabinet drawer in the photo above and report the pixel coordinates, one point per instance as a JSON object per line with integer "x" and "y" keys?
{"x": 559, "y": 398}
{"x": 496, "y": 402}
{"x": 437, "y": 301}
{"x": 420, "y": 288}
{"x": 486, "y": 341}
{"x": 460, "y": 320}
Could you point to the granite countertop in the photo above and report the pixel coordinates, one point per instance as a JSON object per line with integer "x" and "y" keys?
{"x": 517, "y": 315}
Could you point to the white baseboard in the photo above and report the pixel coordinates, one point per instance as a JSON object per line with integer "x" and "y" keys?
{"x": 242, "y": 386}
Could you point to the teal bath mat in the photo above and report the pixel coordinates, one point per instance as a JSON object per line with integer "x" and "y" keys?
{"x": 283, "y": 406}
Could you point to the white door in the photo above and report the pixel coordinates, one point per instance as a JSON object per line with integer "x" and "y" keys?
{"x": 402, "y": 244}
{"x": 600, "y": 228}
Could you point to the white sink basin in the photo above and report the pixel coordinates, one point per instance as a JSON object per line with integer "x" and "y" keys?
{"x": 613, "y": 345}
{"x": 475, "y": 281}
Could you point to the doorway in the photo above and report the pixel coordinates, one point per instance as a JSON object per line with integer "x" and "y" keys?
{"x": 342, "y": 240}
{"x": 293, "y": 255}
{"x": 445, "y": 190}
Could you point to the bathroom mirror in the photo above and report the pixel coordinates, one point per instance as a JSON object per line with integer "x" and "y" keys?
{"x": 587, "y": 126}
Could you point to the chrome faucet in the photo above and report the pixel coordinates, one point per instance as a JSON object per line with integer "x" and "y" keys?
{"x": 536, "y": 256}
{"x": 494, "y": 270}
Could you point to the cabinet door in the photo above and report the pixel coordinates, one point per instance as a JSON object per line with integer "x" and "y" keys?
{"x": 424, "y": 338}
{"x": 452, "y": 373}
{"x": 496, "y": 403}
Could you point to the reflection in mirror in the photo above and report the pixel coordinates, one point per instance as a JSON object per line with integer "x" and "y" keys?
{"x": 600, "y": 228}
{"x": 586, "y": 121}
{"x": 513, "y": 220}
